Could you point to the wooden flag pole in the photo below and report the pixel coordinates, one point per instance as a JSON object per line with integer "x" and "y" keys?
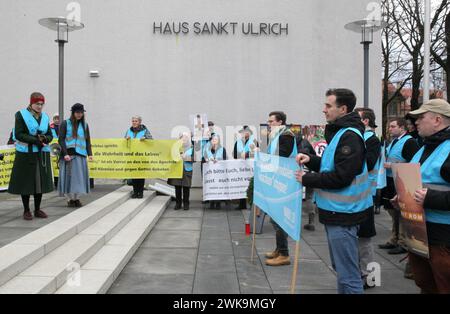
{"x": 254, "y": 233}
{"x": 295, "y": 271}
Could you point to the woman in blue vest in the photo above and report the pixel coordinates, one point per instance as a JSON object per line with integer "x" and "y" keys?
{"x": 214, "y": 153}
{"x": 75, "y": 142}
{"x": 32, "y": 172}
{"x": 140, "y": 132}
{"x": 183, "y": 185}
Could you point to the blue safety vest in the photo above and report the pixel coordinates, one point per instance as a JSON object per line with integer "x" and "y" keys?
{"x": 394, "y": 154}
{"x": 352, "y": 199}
{"x": 137, "y": 135}
{"x": 55, "y": 136}
{"x": 373, "y": 174}
{"x": 78, "y": 143}
{"x": 241, "y": 148}
{"x": 33, "y": 127}
{"x": 217, "y": 156}
{"x": 432, "y": 179}
{"x": 188, "y": 164}
{"x": 273, "y": 146}
{"x": 14, "y": 134}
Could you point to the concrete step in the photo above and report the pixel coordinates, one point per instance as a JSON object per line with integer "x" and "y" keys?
{"x": 52, "y": 271}
{"x": 98, "y": 274}
{"x": 24, "y": 252}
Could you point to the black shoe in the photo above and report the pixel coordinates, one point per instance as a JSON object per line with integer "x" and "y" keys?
{"x": 387, "y": 246}
{"x": 309, "y": 227}
{"x": 140, "y": 195}
{"x": 398, "y": 250}
{"x": 134, "y": 195}
{"x": 186, "y": 206}
{"x": 177, "y": 206}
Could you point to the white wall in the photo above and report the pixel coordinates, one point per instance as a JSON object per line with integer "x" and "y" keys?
{"x": 235, "y": 79}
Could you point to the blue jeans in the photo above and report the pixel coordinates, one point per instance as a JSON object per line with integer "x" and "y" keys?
{"x": 343, "y": 246}
{"x": 281, "y": 238}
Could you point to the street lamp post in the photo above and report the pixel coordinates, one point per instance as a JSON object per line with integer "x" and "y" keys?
{"x": 62, "y": 26}
{"x": 366, "y": 28}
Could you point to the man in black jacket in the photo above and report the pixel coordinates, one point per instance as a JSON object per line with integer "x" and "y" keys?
{"x": 281, "y": 142}
{"x": 402, "y": 148}
{"x": 347, "y": 173}
{"x": 367, "y": 229}
{"x": 433, "y": 123}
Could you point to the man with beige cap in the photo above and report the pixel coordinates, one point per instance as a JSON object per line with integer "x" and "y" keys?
{"x": 433, "y": 123}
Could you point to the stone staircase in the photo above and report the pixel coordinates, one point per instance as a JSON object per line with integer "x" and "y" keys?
{"x": 83, "y": 252}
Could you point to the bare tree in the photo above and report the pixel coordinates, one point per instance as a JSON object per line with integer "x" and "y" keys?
{"x": 408, "y": 18}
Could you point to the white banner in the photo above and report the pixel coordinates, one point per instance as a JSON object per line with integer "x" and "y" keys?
{"x": 227, "y": 180}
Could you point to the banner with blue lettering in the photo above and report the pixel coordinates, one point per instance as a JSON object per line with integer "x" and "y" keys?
{"x": 278, "y": 193}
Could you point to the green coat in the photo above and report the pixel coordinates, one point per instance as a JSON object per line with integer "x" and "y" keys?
{"x": 23, "y": 175}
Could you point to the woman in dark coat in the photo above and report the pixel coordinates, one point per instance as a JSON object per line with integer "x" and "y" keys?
{"x": 32, "y": 172}
{"x": 75, "y": 142}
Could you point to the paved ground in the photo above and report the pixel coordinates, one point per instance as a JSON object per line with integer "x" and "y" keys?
{"x": 13, "y": 227}
{"x": 206, "y": 251}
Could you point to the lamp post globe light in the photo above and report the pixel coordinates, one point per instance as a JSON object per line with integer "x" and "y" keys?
{"x": 62, "y": 26}
{"x": 366, "y": 28}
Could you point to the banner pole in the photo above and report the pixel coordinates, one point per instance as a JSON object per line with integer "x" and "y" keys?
{"x": 294, "y": 273}
{"x": 254, "y": 233}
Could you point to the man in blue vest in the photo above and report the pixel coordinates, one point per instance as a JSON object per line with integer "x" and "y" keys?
{"x": 402, "y": 148}
{"x": 433, "y": 123}
{"x": 344, "y": 194}
{"x": 367, "y": 229}
{"x": 282, "y": 143}
{"x": 243, "y": 148}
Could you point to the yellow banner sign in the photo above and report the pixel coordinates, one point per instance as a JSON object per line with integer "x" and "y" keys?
{"x": 119, "y": 159}
{"x": 6, "y": 165}
{"x": 135, "y": 159}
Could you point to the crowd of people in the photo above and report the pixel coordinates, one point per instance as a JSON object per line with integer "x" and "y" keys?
{"x": 345, "y": 179}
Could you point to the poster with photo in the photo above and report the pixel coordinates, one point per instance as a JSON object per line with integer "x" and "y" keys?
{"x": 413, "y": 227}
{"x": 199, "y": 126}
{"x": 315, "y": 134}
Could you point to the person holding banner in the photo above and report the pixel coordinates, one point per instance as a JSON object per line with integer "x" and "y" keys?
{"x": 75, "y": 142}
{"x": 402, "y": 148}
{"x": 140, "y": 132}
{"x": 373, "y": 156}
{"x": 183, "y": 185}
{"x": 32, "y": 172}
{"x": 214, "y": 153}
{"x": 282, "y": 142}
{"x": 433, "y": 123}
{"x": 343, "y": 191}
{"x": 243, "y": 148}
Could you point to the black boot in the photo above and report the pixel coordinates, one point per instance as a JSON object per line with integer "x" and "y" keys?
{"x": 177, "y": 206}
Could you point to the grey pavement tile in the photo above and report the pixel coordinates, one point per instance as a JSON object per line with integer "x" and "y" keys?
{"x": 191, "y": 213}
{"x": 8, "y": 235}
{"x": 172, "y": 239}
{"x": 179, "y": 224}
{"x": 215, "y": 233}
{"x": 163, "y": 261}
{"x": 152, "y": 284}
{"x": 35, "y": 223}
{"x": 216, "y": 264}
{"x": 216, "y": 283}
{"x": 215, "y": 247}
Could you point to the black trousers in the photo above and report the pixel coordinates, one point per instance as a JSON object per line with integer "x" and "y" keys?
{"x": 138, "y": 186}
{"x": 182, "y": 194}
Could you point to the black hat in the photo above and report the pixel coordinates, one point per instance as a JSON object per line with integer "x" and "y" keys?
{"x": 246, "y": 128}
{"x": 78, "y": 108}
